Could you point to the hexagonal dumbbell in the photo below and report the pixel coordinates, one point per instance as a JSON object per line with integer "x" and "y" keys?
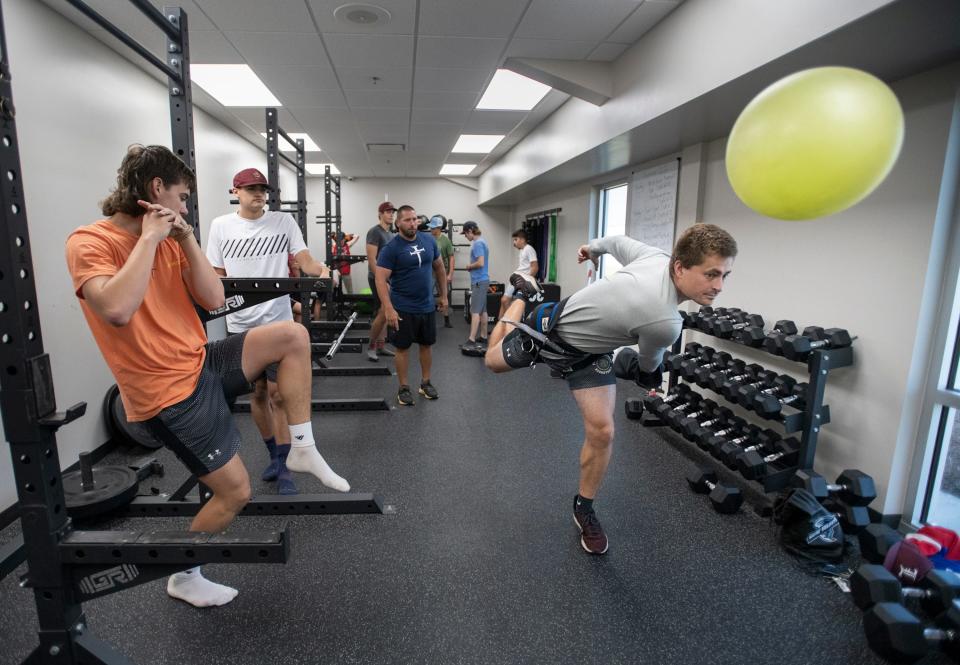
{"x": 711, "y": 438}
{"x": 720, "y": 416}
{"x": 781, "y": 385}
{"x": 798, "y": 347}
{"x": 764, "y": 378}
{"x": 718, "y": 446}
{"x": 853, "y": 487}
{"x": 770, "y": 404}
{"x": 760, "y": 440}
{"x": 673, "y": 362}
{"x": 728, "y": 329}
{"x": 872, "y": 584}
{"x": 876, "y": 540}
{"x": 701, "y": 375}
{"x": 725, "y": 498}
{"x": 678, "y": 418}
{"x": 755, "y": 335}
{"x": 896, "y": 634}
{"x": 690, "y": 366}
{"x": 754, "y": 464}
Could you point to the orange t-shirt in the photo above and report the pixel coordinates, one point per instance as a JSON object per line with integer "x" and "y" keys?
{"x": 157, "y": 357}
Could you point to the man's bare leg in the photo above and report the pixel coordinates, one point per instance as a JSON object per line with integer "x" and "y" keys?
{"x": 596, "y": 407}
{"x": 281, "y": 432}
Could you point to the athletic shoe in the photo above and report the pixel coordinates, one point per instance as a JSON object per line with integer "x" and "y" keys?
{"x": 446, "y": 322}
{"x": 592, "y": 537}
{"x": 526, "y": 285}
{"x": 428, "y": 391}
{"x": 384, "y": 351}
{"x": 405, "y": 397}
{"x": 372, "y": 355}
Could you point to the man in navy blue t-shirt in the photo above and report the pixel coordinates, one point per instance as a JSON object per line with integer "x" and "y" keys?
{"x": 406, "y": 291}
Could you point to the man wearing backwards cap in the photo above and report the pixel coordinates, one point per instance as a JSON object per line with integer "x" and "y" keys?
{"x": 254, "y": 242}
{"x": 377, "y": 237}
{"x": 138, "y": 274}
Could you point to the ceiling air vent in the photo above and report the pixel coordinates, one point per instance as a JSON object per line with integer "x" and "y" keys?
{"x": 386, "y": 147}
{"x": 358, "y": 14}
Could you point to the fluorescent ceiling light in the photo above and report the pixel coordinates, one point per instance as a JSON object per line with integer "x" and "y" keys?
{"x": 308, "y": 144}
{"x": 233, "y": 85}
{"x": 509, "y": 91}
{"x": 317, "y": 169}
{"x": 457, "y": 169}
{"x": 477, "y": 143}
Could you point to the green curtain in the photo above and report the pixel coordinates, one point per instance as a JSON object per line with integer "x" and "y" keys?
{"x": 552, "y": 262}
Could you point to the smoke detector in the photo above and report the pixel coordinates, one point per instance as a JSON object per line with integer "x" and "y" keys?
{"x": 361, "y": 15}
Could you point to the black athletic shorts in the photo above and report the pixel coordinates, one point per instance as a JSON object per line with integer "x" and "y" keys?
{"x": 582, "y": 371}
{"x": 200, "y": 429}
{"x": 414, "y": 328}
{"x": 372, "y": 281}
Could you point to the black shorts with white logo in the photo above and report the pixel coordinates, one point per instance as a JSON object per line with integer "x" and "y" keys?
{"x": 414, "y": 328}
{"x": 200, "y": 429}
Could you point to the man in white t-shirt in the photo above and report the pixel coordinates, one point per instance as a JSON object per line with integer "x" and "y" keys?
{"x": 254, "y": 242}
{"x": 528, "y": 266}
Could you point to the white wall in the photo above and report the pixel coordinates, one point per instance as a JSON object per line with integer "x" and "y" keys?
{"x": 456, "y": 200}
{"x": 862, "y": 269}
{"x": 79, "y": 105}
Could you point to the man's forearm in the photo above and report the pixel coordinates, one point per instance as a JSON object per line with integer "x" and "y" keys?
{"x": 205, "y": 285}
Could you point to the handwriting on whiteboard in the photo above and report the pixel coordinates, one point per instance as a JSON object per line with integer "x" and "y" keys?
{"x": 653, "y": 205}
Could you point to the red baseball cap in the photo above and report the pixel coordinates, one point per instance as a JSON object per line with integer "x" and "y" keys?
{"x": 385, "y": 206}
{"x": 248, "y": 177}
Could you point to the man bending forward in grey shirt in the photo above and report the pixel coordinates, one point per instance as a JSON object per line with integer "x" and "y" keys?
{"x": 577, "y": 336}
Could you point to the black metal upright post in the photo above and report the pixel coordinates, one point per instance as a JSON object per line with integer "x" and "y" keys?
{"x": 181, "y": 102}
{"x": 302, "y": 189}
{"x": 273, "y": 160}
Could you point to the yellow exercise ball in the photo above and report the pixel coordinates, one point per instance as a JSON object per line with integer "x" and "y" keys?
{"x": 814, "y": 143}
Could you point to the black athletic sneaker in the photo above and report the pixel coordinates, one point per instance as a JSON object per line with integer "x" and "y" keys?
{"x": 526, "y": 285}
{"x": 428, "y": 391}
{"x": 405, "y": 397}
{"x": 592, "y": 537}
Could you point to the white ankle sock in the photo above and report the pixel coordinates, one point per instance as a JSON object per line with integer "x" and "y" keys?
{"x": 305, "y": 457}
{"x": 192, "y": 587}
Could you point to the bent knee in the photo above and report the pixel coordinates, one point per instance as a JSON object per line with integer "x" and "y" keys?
{"x": 600, "y": 434}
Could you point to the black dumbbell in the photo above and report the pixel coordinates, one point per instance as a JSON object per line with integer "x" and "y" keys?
{"x": 759, "y": 440}
{"x": 689, "y": 401}
{"x": 753, "y": 464}
{"x": 769, "y": 405}
{"x": 872, "y": 584}
{"x": 725, "y": 499}
{"x": 717, "y": 445}
{"x": 853, "y": 486}
{"x": 677, "y": 394}
{"x": 773, "y": 341}
{"x": 896, "y": 634}
{"x": 719, "y": 416}
{"x": 673, "y": 363}
{"x": 708, "y": 438}
{"x": 781, "y": 385}
{"x": 633, "y": 408}
{"x": 798, "y": 347}
{"x": 727, "y": 329}
{"x": 699, "y": 319}
{"x": 701, "y": 375}
{"x": 730, "y": 387}
{"x": 690, "y": 366}
{"x": 876, "y": 540}
{"x": 736, "y": 370}
{"x": 853, "y": 519}
{"x": 689, "y": 424}
{"x": 711, "y": 326}
{"x": 762, "y": 441}
{"x": 755, "y": 335}
{"x": 676, "y": 418}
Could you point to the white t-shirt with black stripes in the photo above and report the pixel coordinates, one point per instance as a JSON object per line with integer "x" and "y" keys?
{"x": 255, "y": 248}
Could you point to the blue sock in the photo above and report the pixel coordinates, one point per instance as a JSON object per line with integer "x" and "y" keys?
{"x": 271, "y": 445}
{"x": 285, "y": 484}
{"x": 270, "y": 473}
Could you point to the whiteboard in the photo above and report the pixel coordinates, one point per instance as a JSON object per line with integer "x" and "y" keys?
{"x": 653, "y": 205}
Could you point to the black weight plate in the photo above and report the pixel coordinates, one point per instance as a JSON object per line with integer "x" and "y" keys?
{"x": 131, "y": 434}
{"x": 113, "y": 486}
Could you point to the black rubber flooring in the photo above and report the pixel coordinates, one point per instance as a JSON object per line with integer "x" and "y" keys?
{"x": 481, "y": 562}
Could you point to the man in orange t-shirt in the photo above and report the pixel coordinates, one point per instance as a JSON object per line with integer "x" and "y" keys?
{"x": 138, "y": 274}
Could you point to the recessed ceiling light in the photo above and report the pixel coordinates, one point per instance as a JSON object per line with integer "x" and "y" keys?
{"x": 477, "y": 143}
{"x": 509, "y": 91}
{"x": 308, "y": 144}
{"x": 457, "y": 169}
{"x": 361, "y": 14}
{"x": 317, "y": 169}
{"x": 233, "y": 85}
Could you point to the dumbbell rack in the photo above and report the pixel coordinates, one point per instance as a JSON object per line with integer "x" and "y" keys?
{"x": 807, "y": 422}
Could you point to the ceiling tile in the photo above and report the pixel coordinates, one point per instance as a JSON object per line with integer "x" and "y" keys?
{"x": 465, "y": 52}
{"x": 257, "y": 120}
{"x": 392, "y": 99}
{"x": 445, "y": 100}
{"x": 381, "y": 115}
{"x": 647, "y": 15}
{"x": 433, "y": 135}
{"x": 491, "y": 18}
{"x": 308, "y": 115}
{"x": 607, "y": 52}
{"x": 370, "y": 50}
{"x": 449, "y": 116}
{"x": 329, "y": 99}
{"x": 493, "y": 122}
{"x": 282, "y": 79}
{"x": 431, "y": 79}
{"x": 562, "y": 49}
{"x": 274, "y": 48}
{"x": 258, "y": 16}
{"x": 362, "y": 78}
{"x": 211, "y": 47}
{"x": 382, "y": 132}
{"x": 402, "y": 17}
{"x": 574, "y": 19}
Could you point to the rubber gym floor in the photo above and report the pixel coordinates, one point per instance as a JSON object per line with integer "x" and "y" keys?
{"x": 481, "y": 562}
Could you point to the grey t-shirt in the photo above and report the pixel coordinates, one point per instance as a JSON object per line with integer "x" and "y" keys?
{"x": 636, "y": 305}
{"x": 377, "y": 236}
